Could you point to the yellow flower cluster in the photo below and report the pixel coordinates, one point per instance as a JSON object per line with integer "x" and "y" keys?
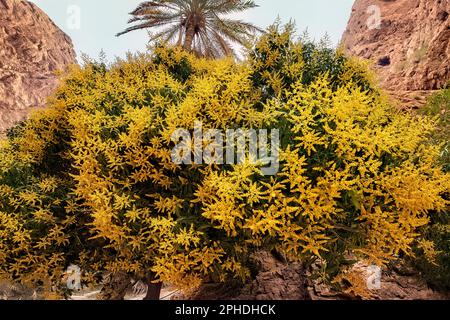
{"x": 90, "y": 180}
{"x": 353, "y": 164}
{"x": 33, "y": 235}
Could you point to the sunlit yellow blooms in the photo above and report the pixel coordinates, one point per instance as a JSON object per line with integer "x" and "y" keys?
{"x": 43, "y": 215}
{"x": 429, "y": 250}
{"x": 168, "y": 205}
{"x": 90, "y": 180}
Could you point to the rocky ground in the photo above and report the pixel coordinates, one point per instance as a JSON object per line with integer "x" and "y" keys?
{"x": 410, "y": 100}
{"x": 277, "y": 280}
{"x": 138, "y": 291}
{"x": 282, "y": 280}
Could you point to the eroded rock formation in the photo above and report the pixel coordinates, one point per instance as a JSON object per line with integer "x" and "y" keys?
{"x": 410, "y": 46}
{"x": 282, "y": 280}
{"x": 32, "y": 49}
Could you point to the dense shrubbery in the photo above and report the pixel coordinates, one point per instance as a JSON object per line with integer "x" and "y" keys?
{"x": 438, "y": 106}
{"x": 90, "y": 180}
{"x": 437, "y": 273}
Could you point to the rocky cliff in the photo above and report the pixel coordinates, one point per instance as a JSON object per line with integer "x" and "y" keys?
{"x": 410, "y": 45}
{"x": 32, "y": 49}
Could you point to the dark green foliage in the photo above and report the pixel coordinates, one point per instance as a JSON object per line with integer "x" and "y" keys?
{"x": 438, "y": 105}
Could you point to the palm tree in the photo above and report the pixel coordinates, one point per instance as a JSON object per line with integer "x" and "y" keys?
{"x": 200, "y": 26}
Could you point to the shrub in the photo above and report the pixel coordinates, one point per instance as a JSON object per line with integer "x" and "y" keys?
{"x": 437, "y": 233}
{"x": 113, "y": 125}
{"x": 355, "y": 178}
{"x": 438, "y": 105}
{"x": 278, "y": 61}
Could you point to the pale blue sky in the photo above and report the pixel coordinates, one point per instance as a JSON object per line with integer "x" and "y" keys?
{"x": 100, "y": 20}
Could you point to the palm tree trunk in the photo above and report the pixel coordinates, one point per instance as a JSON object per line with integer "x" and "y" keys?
{"x": 154, "y": 289}
{"x": 190, "y": 33}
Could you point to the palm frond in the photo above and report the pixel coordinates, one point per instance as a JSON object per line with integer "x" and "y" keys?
{"x": 198, "y": 25}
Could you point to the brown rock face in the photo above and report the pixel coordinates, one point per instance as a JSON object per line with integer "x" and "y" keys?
{"x": 278, "y": 279}
{"x": 400, "y": 283}
{"x": 410, "y": 46}
{"x": 32, "y": 49}
{"x": 275, "y": 280}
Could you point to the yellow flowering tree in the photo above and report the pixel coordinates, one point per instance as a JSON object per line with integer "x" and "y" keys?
{"x": 36, "y": 232}
{"x": 107, "y": 135}
{"x": 90, "y": 180}
{"x": 433, "y": 254}
{"x": 358, "y": 179}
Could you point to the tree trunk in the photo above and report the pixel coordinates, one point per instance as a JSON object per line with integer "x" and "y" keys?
{"x": 115, "y": 288}
{"x": 154, "y": 289}
{"x": 190, "y": 33}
